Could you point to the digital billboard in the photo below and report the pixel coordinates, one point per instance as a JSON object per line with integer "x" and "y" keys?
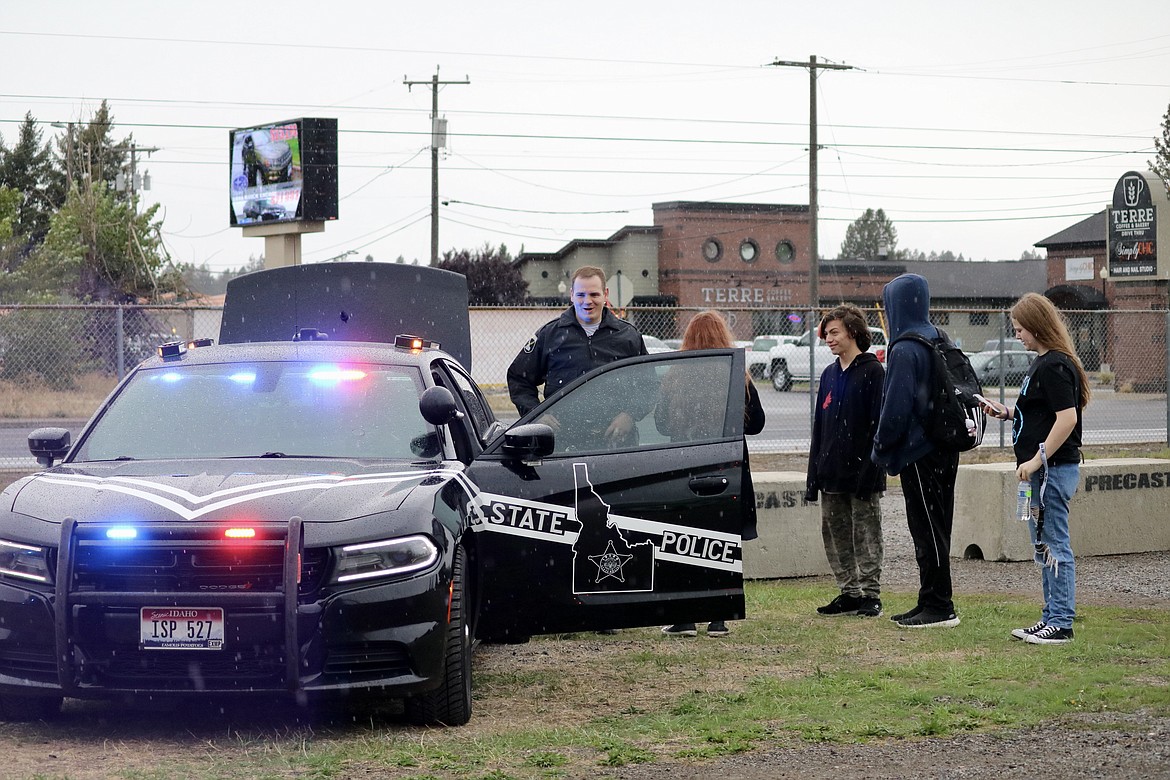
{"x": 284, "y": 172}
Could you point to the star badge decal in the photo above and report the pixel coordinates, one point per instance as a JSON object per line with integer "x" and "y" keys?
{"x": 610, "y": 563}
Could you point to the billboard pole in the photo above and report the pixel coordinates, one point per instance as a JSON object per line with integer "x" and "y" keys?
{"x": 436, "y": 144}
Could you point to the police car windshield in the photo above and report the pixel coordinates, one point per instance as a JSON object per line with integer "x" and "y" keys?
{"x": 296, "y": 409}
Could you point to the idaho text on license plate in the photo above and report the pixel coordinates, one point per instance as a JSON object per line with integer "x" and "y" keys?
{"x": 181, "y": 628}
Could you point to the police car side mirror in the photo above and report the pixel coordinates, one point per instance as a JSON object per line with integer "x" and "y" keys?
{"x": 48, "y": 445}
{"x": 528, "y": 443}
{"x": 438, "y": 406}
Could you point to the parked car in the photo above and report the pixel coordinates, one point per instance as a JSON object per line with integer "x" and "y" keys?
{"x": 317, "y": 507}
{"x": 1008, "y": 368}
{"x": 757, "y": 353}
{"x": 790, "y": 362}
{"x": 655, "y": 345}
{"x": 1006, "y": 344}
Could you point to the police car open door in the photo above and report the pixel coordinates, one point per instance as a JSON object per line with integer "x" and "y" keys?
{"x": 632, "y": 517}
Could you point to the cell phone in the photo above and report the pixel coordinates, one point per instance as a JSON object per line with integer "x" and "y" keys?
{"x": 995, "y": 410}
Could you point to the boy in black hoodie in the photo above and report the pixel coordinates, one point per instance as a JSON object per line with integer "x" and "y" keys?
{"x": 902, "y": 448}
{"x": 839, "y": 465}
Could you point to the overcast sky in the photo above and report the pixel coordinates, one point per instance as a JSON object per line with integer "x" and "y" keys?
{"x": 979, "y": 128}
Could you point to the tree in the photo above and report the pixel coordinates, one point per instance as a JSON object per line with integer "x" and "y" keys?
{"x": 88, "y": 152}
{"x": 27, "y": 168}
{"x": 99, "y": 248}
{"x": 866, "y": 236}
{"x": 1161, "y": 162}
{"x": 492, "y": 279}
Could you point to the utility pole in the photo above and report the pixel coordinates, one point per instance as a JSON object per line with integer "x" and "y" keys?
{"x": 132, "y": 185}
{"x": 436, "y": 144}
{"x": 814, "y": 292}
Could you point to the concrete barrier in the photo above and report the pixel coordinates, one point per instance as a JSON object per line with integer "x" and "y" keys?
{"x": 1122, "y": 505}
{"x": 790, "y": 543}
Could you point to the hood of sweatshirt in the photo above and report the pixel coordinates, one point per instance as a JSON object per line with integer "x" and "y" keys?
{"x": 907, "y": 302}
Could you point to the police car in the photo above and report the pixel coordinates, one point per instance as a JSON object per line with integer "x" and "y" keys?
{"x": 322, "y": 505}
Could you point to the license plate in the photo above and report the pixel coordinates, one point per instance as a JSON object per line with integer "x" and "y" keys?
{"x": 181, "y": 628}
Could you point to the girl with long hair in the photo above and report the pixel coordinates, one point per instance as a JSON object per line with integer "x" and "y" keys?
{"x": 1046, "y": 437}
{"x": 685, "y": 415}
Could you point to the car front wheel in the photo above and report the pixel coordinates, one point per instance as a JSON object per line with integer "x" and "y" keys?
{"x": 450, "y": 703}
{"x": 781, "y": 377}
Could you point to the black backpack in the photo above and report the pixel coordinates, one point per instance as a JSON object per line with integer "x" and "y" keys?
{"x": 955, "y": 420}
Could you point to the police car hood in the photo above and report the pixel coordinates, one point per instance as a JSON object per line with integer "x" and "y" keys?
{"x": 220, "y": 490}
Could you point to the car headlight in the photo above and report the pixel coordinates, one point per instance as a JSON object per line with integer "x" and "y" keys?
{"x": 24, "y": 561}
{"x": 389, "y": 558}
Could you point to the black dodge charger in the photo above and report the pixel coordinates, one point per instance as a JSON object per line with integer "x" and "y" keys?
{"x": 323, "y": 503}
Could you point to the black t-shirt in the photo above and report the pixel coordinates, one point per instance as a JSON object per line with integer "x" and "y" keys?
{"x": 1049, "y": 387}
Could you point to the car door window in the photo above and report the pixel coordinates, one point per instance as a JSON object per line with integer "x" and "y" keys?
{"x": 667, "y": 401}
{"x": 477, "y": 407}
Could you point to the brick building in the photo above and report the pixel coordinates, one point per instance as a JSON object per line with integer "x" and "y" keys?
{"x": 754, "y": 258}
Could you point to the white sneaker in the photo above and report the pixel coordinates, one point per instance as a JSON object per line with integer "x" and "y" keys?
{"x": 1022, "y": 633}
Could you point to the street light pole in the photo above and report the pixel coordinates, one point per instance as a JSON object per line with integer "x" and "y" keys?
{"x": 68, "y": 127}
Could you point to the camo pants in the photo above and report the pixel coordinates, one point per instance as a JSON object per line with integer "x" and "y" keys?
{"x": 852, "y": 530}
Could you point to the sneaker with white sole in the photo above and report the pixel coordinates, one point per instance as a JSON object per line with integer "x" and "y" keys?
{"x": 717, "y": 629}
{"x": 1050, "y": 635}
{"x": 926, "y": 619}
{"x": 907, "y": 614}
{"x": 680, "y": 629}
{"x": 842, "y": 605}
{"x": 1020, "y": 633}
{"x": 869, "y": 607}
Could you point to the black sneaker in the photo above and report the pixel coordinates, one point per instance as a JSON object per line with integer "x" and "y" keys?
{"x": 718, "y": 628}
{"x": 680, "y": 629}
{"x": 907, "y": 614}
{"x": 1050, "y": 635}
{"x": 926, "y": 619}
{"x": 1020, "y": 633}
{"x": 869, "y": 607}
{"x": 842, "y": 605}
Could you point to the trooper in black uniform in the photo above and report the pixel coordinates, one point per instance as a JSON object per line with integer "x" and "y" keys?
{"x": 586, "y": 336}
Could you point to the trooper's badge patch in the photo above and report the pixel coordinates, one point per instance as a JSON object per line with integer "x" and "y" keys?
{"x": 531, "y": 345}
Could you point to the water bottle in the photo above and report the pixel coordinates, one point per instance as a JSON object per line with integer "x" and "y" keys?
{"x": 1023, "y": 500}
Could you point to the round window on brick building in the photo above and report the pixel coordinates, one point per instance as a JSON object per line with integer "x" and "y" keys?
{"x": 749, "y": 250}
{"x": 785, "y": 252}
{"x": 712, "y": 250}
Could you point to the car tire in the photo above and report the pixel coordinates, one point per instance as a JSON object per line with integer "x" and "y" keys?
{"x": 450, "y": 703}
{"x": 26, "y": 708}
{"x": 781, "y": 377}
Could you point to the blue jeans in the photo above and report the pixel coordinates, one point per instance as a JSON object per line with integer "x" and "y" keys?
{"x": 1058, "y": 579}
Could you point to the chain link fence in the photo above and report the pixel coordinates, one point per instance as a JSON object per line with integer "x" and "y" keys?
{"x": 59, "y": 362}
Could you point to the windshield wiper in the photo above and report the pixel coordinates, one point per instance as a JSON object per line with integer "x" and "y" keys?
{"x": 274, "y": 455}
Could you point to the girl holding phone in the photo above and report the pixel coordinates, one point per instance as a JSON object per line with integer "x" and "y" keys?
{"x": 1046, "y": 438}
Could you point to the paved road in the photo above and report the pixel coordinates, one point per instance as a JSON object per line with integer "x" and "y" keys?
{"x": 1111, "y": 418}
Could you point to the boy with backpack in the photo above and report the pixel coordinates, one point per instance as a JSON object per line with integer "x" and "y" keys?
{"x": 903, "y": 447}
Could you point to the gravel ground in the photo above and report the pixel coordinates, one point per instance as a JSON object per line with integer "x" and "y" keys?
{"x": 1132, "y": 746}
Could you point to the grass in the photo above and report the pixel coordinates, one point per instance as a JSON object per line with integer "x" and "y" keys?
{"x": 568, "y": 706}
{"x": 25, "y": 400}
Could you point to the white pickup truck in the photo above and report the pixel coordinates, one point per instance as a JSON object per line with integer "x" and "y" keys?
{"x": 758, "y": 353}
{"x": 790, "y": 362}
